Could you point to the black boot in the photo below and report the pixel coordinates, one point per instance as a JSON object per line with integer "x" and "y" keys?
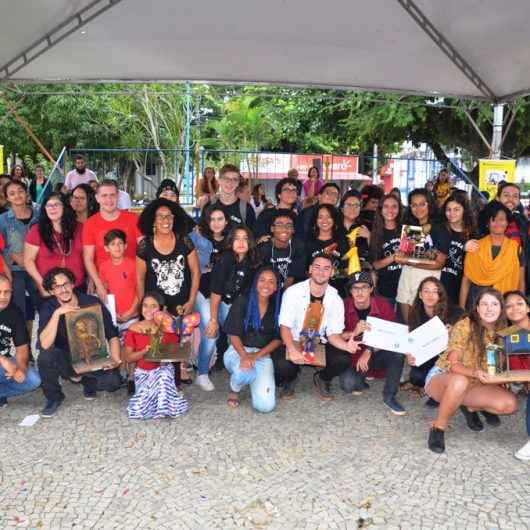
{"x": 436, "y": 440}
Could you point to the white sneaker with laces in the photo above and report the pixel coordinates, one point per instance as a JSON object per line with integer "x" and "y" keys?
{"x": 203, "y": 381}
{"x": 524, "y": 452}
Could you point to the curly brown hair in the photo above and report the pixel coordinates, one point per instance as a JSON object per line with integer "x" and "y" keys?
{"x": 441, "y": 310}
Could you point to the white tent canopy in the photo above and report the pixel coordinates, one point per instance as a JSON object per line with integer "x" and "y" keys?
{"x": 475, "y": 48}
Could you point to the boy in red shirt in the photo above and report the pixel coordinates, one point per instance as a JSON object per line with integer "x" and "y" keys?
{"x": 118, "y": 275}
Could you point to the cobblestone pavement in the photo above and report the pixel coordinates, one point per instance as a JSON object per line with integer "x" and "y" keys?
{"x": 344, "y": 464}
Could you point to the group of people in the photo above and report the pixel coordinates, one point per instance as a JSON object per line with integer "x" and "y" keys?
{"x": 265, "y": 287}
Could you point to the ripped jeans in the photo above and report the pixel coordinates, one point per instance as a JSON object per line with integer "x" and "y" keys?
{"x": 260, "y": 378}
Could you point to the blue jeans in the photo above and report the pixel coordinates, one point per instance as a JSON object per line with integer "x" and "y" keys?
{"x": 24, "y": 293}
{"x": 207, "y": 345}
{"x": 10, "y": 388}
{"x": 260, "y": 378}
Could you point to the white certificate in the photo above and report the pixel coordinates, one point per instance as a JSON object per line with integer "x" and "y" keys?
{"x": 386, "y": 335}
{"x": 428, "y": 340}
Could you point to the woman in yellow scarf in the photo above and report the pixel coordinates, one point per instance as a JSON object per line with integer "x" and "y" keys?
{"x": 496, "y": 263}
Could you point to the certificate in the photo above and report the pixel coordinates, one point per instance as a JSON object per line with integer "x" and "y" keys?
{"x": 423, "y": 343}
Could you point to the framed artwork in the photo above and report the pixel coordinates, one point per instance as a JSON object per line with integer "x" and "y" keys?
{"x": 86, "y": 338}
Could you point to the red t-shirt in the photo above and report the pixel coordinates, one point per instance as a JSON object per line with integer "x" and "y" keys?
{"x": 120, "y": 280}
{"x": 96, "y": 227}
{"x": 47, "y": 259}
{"x": 138, "y": 341}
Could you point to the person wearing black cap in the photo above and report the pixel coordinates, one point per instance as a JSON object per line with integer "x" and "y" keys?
{"x": 357, "y": 307}
{"x": 168, "y": 190}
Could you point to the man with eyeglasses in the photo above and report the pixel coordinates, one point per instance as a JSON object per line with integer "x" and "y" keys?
{"x": 284, "y": 253}
{"x": 287, "y": 193}
{"x": 54, "y": 358}
{"x": 329, "y": 194}
{"x": 16, "y": 377}
{"x": 238, "y": 211}
{"x": 357, "y": 307}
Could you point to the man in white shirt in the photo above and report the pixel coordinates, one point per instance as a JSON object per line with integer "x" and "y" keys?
{"x": 296, "y": 300}
{"x": 80, "y": 175}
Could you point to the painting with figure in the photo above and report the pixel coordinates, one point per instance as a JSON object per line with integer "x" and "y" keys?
{"x": 86, "y": 337}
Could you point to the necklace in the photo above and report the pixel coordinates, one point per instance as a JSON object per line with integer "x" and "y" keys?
{"x": 59, "y": 241}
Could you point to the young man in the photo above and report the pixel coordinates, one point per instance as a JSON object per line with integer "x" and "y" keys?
{"x": 97, "y": 226}
{"x": 54, "y": 359}
{"x": 329, "y": 194}
{"x": 284, "y": 253}
{"x": 238, "y": 211}
{"x": 360, "y": 304}
{"x": 80, "y": 174}
{"x": 287, "y": 193}
{"x": 16, "y": 377}
{"x": 296, "y": 301}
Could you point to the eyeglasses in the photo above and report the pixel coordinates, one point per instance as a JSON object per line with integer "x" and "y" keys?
{"x": 331, "y": 193}
{"x": 51, "y": 205}
{"x": 79, "y": 197}
{"x": 58, "y": 287}
{"x": 241, "y": 238}
{"x": 161, "y": 217}
{"x": 354, "y": 205}
{"x": 360, "y": 288}
{"x": 288, "y": 226}
{"x": 231, "y": 180}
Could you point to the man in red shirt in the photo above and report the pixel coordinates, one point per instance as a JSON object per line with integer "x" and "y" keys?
{"x": 98, "y": 225}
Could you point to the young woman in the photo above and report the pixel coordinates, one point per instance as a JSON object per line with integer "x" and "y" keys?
{"x": 155, "y": 393}
{"x": 39, "y": 188}
{"x": 258, "y": 201}
{"x": 442, "y": 187}
{"x": 421, "y": 212}
{"x": 498, "y": 260}
{"x": 350, "y": 210}
{"x": 313, "y": 183}
{"x": 18, "y": 173}
{"x": 252, "y": 327}
{"x": 431, "y": 301}
{"x": 231, "y": 276}
{"x": 208, "y": 187}
{"x": 458, "y": 218}
{"x": 459, "y": 377}
{"x": 384, "y": 243}
{"x": 55, "y": 241}
{"x": 209, "y": 238}
{"x": 517, "y": 311}
{"x": 83, "y": 202}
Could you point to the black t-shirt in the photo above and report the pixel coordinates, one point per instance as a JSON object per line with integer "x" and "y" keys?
{"x": 61, "y": 339}
{"x": 289, "y": 262}
{"x": 233, "y": 212}
{"x": 235, "y": 325}
{"x": 230, "y": 278}
{"x": 440, "y": 238}
{"x": 12, "y": 328}
{"x": 454, "y": 266}
{"x": 363, "y": 313}
{"x": 264, "y": 222}
{"x": 204, "y": 285}
{"x": 167, "y": 274}
{"x": 336, "y": 247}
{"x": 361, "y": 243}
{"x": 388, "y": 277}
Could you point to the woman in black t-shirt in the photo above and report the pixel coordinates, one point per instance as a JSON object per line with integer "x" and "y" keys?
{"x": 350, "y": 212}
{"x": 253, "y": 330}
{"x": 384, "y": 243}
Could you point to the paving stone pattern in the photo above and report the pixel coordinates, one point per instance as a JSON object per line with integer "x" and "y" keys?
{"x": 345, "y": 464}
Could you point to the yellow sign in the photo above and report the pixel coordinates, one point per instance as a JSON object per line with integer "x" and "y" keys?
{"x": 491, "y": 172}
{"x": 1, "y": 159}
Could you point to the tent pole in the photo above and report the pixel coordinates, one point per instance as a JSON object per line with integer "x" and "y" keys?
{"x": 496, "y": 140}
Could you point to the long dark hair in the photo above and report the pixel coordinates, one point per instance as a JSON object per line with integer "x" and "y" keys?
{"x": 204, "y": 184}
{"x": 156, "y": 296}
{"x": 252, "y": 254}
{"x": 92, "y": 204}
{"x": 418, "y": 315}
{"x": 68, "y": 225}
{"x": 410, "y": 219}
{"x": 147, "y": 218}
{"x": 376, "y": 238}
{"x": 204, "y": 223}
{"x": 334, "y": 213}
{"x": 478, "y": 331}
{"x": 252, "y": 317}
{"x": 470, "y": 226}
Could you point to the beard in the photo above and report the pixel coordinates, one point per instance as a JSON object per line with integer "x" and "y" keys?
{"x": 81, "y": 170}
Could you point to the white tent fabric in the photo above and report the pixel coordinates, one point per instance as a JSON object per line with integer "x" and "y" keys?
{"x": 363, "y": 44}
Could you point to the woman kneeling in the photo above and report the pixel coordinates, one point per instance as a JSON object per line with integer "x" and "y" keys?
{"x": 459, "y": 377}
{"x": 156, "y": 395}
{"x": 252, "y": 327}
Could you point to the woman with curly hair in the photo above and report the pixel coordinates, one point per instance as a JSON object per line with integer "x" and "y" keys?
{"x": 83, "y": 201}
{"x": 55, "y": 241}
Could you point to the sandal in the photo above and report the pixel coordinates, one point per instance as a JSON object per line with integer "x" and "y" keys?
{"x": 233, "y": 400}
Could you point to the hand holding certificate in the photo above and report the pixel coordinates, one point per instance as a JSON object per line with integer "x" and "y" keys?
{"x": 423, "y": 343}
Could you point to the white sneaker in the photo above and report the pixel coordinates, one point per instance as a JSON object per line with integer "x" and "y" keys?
{"x": 524, "y": 452}
{"x": 204, "y": 382}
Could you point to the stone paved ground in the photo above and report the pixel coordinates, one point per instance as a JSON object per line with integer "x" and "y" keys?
{"x": 341, "y": 465}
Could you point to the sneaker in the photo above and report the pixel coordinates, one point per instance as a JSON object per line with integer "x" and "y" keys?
{"x": 89, "y": 394}
{"x": 3, "y": 402}
{"x": 323, "y": 387}
{"x": 203, "y": 381}
{"x": 51, "y": 408}
{"x": 491, "y": 419}
{"x": 431, "y": 403}
{"x": 359, "y": 391}
{"x": 524, "y": 452}
{"x": 472, "y": 419}
{"x": 288, "y": 390}
{"x": 436, "y": 440}
{"x": 395, "y": 406}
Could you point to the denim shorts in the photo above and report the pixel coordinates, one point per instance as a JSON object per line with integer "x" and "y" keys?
{"x": 435, "y": 370}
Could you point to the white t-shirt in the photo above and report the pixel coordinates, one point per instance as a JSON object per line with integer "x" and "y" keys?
{"x": 73, "y": 178}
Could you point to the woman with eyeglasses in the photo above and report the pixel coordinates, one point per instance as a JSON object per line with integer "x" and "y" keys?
{"x": 83, "y": 202}
{"x": 55, "y": 241}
